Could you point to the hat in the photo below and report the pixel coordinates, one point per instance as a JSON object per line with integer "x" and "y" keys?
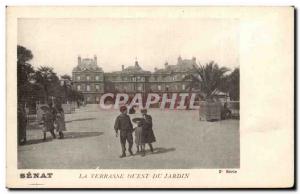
{"x": 123, "y": 108}
{"x": 44, "y": 108}
{"x": 137, "y": 120}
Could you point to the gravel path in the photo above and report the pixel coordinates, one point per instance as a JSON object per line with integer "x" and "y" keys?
{"x": 182, "y": 142}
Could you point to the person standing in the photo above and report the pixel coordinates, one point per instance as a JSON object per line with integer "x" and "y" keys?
{"x": 47, "y": 122}
{"x": 148, "y": 134}
{"x": 53, "y": 111}
{"x": 124, "y": 125}
{"x": 138, "y": 131}
{"x": 60, "y": 122}
{"x": 22, "y": 124}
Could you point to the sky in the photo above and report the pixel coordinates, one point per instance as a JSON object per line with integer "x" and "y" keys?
{"x": 116, "y": 42}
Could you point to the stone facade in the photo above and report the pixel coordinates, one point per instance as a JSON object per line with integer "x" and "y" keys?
{"x": 132, "y": 79}
{"x": 90, "y": 79}
{"x": 170, "y": 78}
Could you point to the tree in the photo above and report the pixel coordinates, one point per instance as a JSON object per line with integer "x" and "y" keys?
{"x": 48, "y": 80}
{"x": 206, "y": 78}
{"x": 75, "y": 96}
{"x": 24, "y": 73}
{"x": 66, "y": 77}
{"x": 67, "y": 86}
{"x": 233, "y": 84}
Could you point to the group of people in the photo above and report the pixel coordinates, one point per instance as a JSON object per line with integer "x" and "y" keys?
{"x": 53, "y": 117}
{"x": 143, "y": 132}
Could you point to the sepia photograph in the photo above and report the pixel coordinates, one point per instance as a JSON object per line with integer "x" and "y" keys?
{"x": 150, "y": 97}
{"x": 128, "y": 93}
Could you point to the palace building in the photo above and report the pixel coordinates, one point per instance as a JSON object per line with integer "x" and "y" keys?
{"x": 89, "y": 78}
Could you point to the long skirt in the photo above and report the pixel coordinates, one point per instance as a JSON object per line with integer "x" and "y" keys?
{"x": 148, "y": 136}
{"x": 139, "y": 136}
{"x": 60, "y": 125}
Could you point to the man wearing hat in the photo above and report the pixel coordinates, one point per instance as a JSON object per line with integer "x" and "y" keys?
{"x": 124, "y": 125}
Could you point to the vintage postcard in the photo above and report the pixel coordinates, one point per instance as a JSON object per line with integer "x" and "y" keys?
{"x": 150, "y": 97}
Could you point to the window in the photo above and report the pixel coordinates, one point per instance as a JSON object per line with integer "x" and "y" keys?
{"x": 97, "y": 87}
{"x": 78, "y": 77}
{"x": 78, "y": 88}
{"x": 174, "y": 77}
{"x": 183, "y": 87}
{"x": 87, "y": 77}
{"x": 97, "y": 77}
{"x": 88, "y": 88}
{"x": 159, "y": 87}
{"x": 176, "y": 88}
{"x": 140, "y": 88}
{"x": 88, "y": 98}
{"x": 155, "y": 78}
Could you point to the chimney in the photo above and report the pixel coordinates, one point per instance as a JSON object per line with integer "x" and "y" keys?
{"x": 123, "y": 67}
{"x": 136, "y": 63}
{"x": 79, "y": 60}
{"x": 194, "y": 59}
{"x": 166, "y": 64}
{"x": 179, "y": 59}
{"x": 155, "y": 68}
{"x": 95, "y": 59}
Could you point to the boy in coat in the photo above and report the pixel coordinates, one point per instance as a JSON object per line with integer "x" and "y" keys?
{"x": 124, "y": 125}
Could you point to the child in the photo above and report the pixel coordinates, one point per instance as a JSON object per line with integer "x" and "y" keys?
{"x": 148, "y": 134}
{"x": 47, "y": 123}
{"x": 124, "y": 125}
{"x": 139, "y": 136}
{"x": 60, "y": 122}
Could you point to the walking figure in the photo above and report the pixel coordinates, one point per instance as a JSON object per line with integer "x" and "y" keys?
{"x": 148, "y": 134}
{"x": 124, "y": 125}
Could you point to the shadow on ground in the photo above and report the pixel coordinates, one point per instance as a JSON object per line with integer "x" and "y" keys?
{"x": 84, "y": 119}
{"x": 75, "y": 135}
{"x": 37, "y": 141}
{"x": 67, "y": 135}
{"x": 160, "y": 150}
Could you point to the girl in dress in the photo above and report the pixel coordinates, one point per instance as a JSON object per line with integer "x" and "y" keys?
{"x": 47, "y": 122}
{"x": 148, "y": 134}
{"x": 60, "y": 122}
{"x": 140, "y": 145}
